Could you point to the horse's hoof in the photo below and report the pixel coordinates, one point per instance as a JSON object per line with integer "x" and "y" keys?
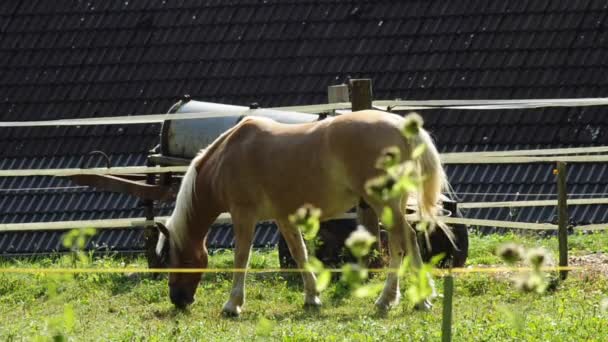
{"x": 425, "y": 305}
{"x": 312, "y": 302}
{"x": 231, "y": 310}
{"x": 383, "y": 305}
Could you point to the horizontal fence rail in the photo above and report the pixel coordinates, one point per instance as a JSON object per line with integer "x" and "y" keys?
{"x": 225, "y": 218}
{"x": 110, "y": 223}
{"x": 529, "y": 153}
{"x": 498, "y": 157}
{"x": 93, "y": 171}
{"x": 322, "y": 108}
{"x": 490, "y": 104}
{"x": 523, "y": 160}
{"x": 539, "y": 203}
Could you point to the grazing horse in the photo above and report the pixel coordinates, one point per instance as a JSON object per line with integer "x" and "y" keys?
{"x": 264, "y": 170}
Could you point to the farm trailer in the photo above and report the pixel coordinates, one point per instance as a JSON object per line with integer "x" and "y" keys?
{"x": 181, "y": 140}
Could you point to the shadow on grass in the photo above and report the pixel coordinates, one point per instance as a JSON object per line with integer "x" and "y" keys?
{"x": 172, "y": 312}
{"x": 320, "y": 314}
{"x": 123, "y": 283}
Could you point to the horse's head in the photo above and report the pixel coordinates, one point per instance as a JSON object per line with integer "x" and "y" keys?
{"x": 182, "y": 286}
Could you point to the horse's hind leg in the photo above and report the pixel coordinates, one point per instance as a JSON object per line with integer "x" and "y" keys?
{"x": 366, "y": 216}
{"x": 298, "y": 251}
{"x": 244, "y": 229}
{"x": 391, "y": 294}
{"x": 402, "y": 240}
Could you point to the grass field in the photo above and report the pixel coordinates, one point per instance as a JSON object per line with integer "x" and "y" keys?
{"x": 118, "y": 307}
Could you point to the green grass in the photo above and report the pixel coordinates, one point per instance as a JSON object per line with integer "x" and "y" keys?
{"x": 117, "y": 307}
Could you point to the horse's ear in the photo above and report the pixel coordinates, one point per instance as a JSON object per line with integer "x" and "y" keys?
{"x": 163, "y": 229}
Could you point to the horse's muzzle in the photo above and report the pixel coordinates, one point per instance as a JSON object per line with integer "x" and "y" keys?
{"x": 180, "y": 297}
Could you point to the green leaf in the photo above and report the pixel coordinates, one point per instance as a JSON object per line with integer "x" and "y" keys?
{"x": 310, "y": 229}
{"x": 407, "y": 184}
{"x": 68, "y": 317}
{"x": 389, "y": 157}
{"x": 412, "y": 125}
{"x": 419, "y": 288}
{"x": 423, "y": 226}
{"x": 510, "y": 252}
{"x": 306, "y": 219}
{"x": 437, "y": 258}
{"x": 370, "y": 290}
{"x": 353, "y": 275}
{"x": 360, "y": 241}
{"x": 264, "y": 327}
{"x": 387, "y": 217}
{"x": 323, "y": 280}
{"x": 405, "y": 266}
{"x": 314, "y": 265}
{"x": 418, "y": 151}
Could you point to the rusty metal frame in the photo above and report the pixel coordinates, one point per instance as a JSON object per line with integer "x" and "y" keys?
{"x": 129, "y": 185}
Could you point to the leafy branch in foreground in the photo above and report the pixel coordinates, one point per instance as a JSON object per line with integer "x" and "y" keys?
{"x": 306, "y": 219}
{"x": 535, "y": 280}
{"x": 401, "y": 177}
{"x": 354, "y": 275}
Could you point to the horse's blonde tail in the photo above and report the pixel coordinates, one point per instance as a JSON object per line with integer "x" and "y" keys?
{"x": 434, "y": 181}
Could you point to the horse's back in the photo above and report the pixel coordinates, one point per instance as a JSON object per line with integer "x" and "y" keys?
{"x": 358, "y": 139}
{"x": 276, "y": 167}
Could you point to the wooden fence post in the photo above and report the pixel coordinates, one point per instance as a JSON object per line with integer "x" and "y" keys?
{"x": 337, "y": 93}
{"x": 562, "y": 217}
{"x": 446, "y": 322}
{"x": 361, "y": 94}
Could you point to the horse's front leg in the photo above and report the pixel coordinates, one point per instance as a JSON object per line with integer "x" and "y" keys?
{"x": 244, "y": 228}
{"x": 298, "y": 251}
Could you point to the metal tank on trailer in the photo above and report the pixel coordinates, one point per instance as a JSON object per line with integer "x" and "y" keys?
{"x": 184, "y": 138}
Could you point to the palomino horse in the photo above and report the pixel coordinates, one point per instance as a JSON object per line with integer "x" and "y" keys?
{"x": 262, "y": 170}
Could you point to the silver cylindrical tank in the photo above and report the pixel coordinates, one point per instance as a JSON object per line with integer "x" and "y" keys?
{"x": 185, "y": 138}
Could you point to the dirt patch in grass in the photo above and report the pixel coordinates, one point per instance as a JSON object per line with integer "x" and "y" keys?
{"x": 594, "y": 262}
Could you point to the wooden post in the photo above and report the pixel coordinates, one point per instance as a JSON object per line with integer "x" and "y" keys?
{"x": 361, "y": 93}
{"x": 337, "y": 93}
{"x": 562, "y": 217}
{"x": 446, "y": 322}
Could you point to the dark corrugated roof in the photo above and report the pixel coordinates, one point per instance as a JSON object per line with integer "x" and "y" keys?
{"x": 69, "y": 59}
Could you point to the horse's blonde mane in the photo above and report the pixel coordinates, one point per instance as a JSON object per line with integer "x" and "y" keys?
{"x": 177, "y": 223}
